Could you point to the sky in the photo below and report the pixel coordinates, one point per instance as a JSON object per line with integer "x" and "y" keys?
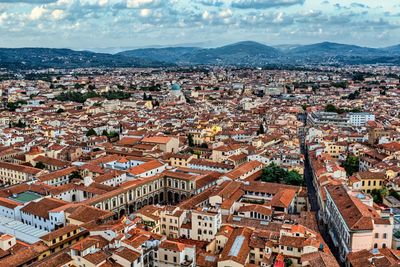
{"x": 88, "y": 24}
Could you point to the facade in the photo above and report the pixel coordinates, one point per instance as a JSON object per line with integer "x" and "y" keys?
{"x": 175, "y": 254}
{"x": 11, "y": 174}
{"x": 353, "y": 225}
{"x": 360, "y": 118}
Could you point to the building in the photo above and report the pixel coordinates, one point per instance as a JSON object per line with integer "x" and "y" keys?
{"x": 360, "y": 118}
{"x": 353, "y": 225}
{"x": 11, "y": 174}
{"x": 171, "y": 254}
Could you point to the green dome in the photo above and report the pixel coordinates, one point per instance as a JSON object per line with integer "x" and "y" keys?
{"x": 175, "y": 87}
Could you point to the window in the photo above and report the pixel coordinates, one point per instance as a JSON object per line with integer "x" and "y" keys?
{"x": 384, "y": 235}
{"x": 166, "y": 257}
{"x": 289, "y": 248}
{"x": 376, "y": 235}
{"x": 175, "y": 259}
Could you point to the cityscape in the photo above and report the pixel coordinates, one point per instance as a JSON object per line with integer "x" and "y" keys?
{"x": 248, "y": 139}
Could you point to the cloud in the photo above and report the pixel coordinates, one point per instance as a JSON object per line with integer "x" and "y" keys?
{"x": 144, "y": 3}
{"x": 260, "y": 4}
{"x": 91, "y": 23}
{"x": 215, "y": 3}
{"x": 37, "y": 12}
{"x": 34, "y": 2}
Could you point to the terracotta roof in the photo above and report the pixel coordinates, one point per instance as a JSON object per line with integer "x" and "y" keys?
{"x": 127, "y": 254}
{"x": 42, "y": 207}
{"x": 319, "y": 259}
{"x": 145, "y": 167}
{"x": 157, "y": 139}
{"x": 237, "y": 248}
{"x": 357, "y": 215}
{"x": 172, "y": 245}
{"x": 20, "y": 168}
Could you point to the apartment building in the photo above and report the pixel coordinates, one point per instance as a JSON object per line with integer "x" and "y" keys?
{"x": 353, "y": 225}
{"x": 11, "y": 174}
{"x": 205, "y": 224}
{"x": 171, "y": 254}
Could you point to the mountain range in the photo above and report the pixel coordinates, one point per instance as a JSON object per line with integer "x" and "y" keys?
{"x": 246, "y": 53}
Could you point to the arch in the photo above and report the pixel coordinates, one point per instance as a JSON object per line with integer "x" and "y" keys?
{"x": 115, "y": 217}
{"x": 156, "y": 199}
{"x": 183, "y": 197}
{"x": 176, "y": 198}
{"x": 73, "y": 198}
{"x": 121, "y": 213}
{"x": 138, "y": 205}
{"x": 170, "y": 198}
{"x": 161, "y": 197}
{"x": 145, "y": 202}
{"x": 151, "y": 200}
{"x": 131, "y": 208}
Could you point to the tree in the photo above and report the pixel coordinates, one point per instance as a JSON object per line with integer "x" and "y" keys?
{"x": 261, "y": 130}
{"x": 91, "y": 132}
{"x": 19, "y": 124}
{"x": 330, "y": 108}
{"x": 288, "y": 262}
{"x": 351, "y": 165}
{"x": 394, "y": 194}
{"x": 378, "y": 195}
{"x": 190, "y": 140}
{"x": 75, "y": 175}
{"x": 275, "y": 174}
{"x": 204, "y": 145}
{"x": 40, "y": 165}
{"x": 105, "y": 133}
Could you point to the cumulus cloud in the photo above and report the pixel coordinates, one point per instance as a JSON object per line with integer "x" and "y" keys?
{"x": 143, "y": 3}
{"x": 37, "y": 12}
{"x": 132, "y": 22}
{"x": 28, "y": 1}
{"x": 257, "y": 4}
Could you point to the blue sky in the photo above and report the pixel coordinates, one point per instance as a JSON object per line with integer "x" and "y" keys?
{"x": 84, "y": 24}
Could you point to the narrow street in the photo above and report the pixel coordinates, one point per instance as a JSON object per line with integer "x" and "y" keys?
{"x": 312, "y": 198}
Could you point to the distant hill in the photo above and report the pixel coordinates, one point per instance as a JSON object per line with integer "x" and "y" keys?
{"x": 233, "y": 54}
{"x": 38, "y": 58}
{"x": 242, "y": 53}
{"x": 342, "y": 53}
{"x": 392, "y": 49}
{"x": 168, "y": 54}
{"x": 246, "y": 53}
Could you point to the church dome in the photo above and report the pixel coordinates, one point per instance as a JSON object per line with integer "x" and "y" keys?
{"x": 175, "y": 87}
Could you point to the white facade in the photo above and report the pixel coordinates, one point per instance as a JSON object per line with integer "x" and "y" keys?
{"x": 360, "y": 118}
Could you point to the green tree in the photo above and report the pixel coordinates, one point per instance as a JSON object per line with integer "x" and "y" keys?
{"x": 261, "y": 129}
{"x": 378, "y": 195}
{"x": 91, "y": 132}
{"x": 275, "y": 174}
{"x": 40, "y": 165}
{"x": 351, "y": 164}
{"x": 293, "y": 178}
{"x": 190, "y": 140}
{"x": 288, "y": 262}
{"x": 330, "y": 108}
{"x": 75, "y": 175}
